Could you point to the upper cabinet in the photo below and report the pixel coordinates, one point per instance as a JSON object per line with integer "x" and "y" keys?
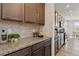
{"x": 0, "y": 11}
{"x": 34, "y": 13}
{"x": 12, "y": 11}
{"x": 30, "y": 12}
{"x": 41, "y": 13}
{"x": 27, "y": 12}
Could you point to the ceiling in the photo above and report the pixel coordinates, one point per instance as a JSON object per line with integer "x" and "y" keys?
{"x": 69, "y": 10}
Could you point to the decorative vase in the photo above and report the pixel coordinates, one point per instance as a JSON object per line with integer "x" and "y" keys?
{"x": 13, "y": 40}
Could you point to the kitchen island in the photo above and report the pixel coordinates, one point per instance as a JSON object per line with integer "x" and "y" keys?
{"x": 29, "y": 46}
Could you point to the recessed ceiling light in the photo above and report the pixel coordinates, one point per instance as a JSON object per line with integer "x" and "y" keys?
{"x": 67, "y": 6}
{"x": 70, "y": 10}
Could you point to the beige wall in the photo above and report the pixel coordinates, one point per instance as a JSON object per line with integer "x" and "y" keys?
{"x": 48, "y": 29}
{"x": 49, "y": 19}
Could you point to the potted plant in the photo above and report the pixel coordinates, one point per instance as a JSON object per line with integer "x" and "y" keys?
{"x": 13, "y": 37}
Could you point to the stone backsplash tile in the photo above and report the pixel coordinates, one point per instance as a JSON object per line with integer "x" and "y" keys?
{"x": 24, "y": 30}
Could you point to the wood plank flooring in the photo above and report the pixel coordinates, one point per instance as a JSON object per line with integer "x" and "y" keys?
{"x": 70, "y": 49}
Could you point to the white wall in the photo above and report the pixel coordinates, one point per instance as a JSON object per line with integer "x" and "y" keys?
{"x": 70, "y": 27}
{"x": 65, "y": 25}
{"x": 48, "y": 29}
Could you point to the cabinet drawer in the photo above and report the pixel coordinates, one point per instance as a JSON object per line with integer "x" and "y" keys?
{"x": 23, "y": 52}
{"x": 39, "y": 52}
{"x": 47, "y": 42}
{"x": 48, "y": 50}
{"x": 37, "y": 46}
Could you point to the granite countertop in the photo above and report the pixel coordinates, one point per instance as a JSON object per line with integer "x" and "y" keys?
{"x": 21, "y": 43}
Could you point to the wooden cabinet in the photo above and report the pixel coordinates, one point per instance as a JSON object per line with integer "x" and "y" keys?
{"x": 27, "y": 12}
{"x": 41, "y": 13}
{"x": 30, "y": 12}
{"x": 48, "y": 50}
{"x": 0, "y": 10}
{"x": 42, "y": 48}
{"x": 34, "y": 13}
{"x": 22, "y": 52}
{"x": 39, "y": 49}
{"x": 37, "y": 46}
{"x": 47, "y": 46}
{"x": 12, "y": 11}
{"x": 39, "y": 52}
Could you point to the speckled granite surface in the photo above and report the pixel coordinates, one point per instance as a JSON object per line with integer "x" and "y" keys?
{"x": 22, "y": 43}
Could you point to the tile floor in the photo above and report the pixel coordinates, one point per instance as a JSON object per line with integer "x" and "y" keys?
{"x": 70, "y": 49}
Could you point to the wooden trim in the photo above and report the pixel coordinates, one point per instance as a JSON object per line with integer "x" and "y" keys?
{"x": 11, "y": 19}
{"x": 20, "y": 21}
{"x": 1, "y": 10}
{"x": 24, "y": 12}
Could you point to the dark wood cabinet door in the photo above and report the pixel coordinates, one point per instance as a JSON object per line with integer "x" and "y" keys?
{"x": 12, "y": 11}
{"x": 37, "y": 46}
{"x": 22, "y": 52}
{"x": 41, "y": 13}
{"x": 48, "y": 50}
{"x": 39, "y": 52}
{"x": 34, "y": 13}
{"x": 30, "y": 12}
{"x": 47, "y": 46}
{"x": 39, "y": 49}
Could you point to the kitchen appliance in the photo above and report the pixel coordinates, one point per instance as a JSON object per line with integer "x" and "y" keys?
{"x": 59, "y": 38}
{"x": 56, "y": 41}
{"x": 3, "y": 35}
{"x": 62, "y": 38}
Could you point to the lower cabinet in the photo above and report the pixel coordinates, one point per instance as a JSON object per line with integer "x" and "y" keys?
{"x": 39, "y": 49}
{"x": 22, "y": 52}
{"x": 47, "y": 46}
{"x": 39, "y": 52}
{"x": 48, "y": 50}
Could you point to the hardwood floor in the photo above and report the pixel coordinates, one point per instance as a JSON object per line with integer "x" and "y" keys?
{"x": 70, "y": 49}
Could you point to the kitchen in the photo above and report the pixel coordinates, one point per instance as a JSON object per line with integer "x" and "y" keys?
{"x": 70, "y": 14}
{"x": 26, "y": 29}
{"x": 59, "y": 32}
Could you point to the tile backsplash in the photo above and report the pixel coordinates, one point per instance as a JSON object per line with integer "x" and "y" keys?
{"x": 24, "y": 30}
